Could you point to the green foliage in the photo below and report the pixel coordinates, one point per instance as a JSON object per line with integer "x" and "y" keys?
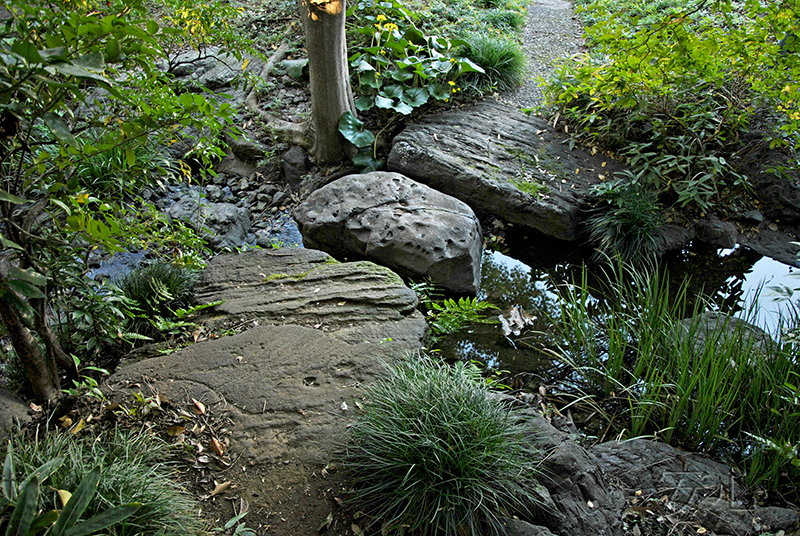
{"x": 675, "y": 94}
{"x": 135, "y": 470}
{"x": 82, "y": 105}
{"x": 646, "y": 372}
{"x": 432, "y": 453}
{"x": 502, "y": 61}
{"x": 449, "y": 315}
{"x": 21, "y": 515}
{"x": 504, "y": 19}
{"x": 155, "y": 292}
{"x": 627, "y": 223}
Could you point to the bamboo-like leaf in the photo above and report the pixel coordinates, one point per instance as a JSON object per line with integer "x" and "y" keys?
{"x": 59, "y": 129}
{"x": 43, "y": 521}
{"x": 44, "y": 471}
{"x": 23, "y": 514}
{"x": 9, "y": 476}
{"x": 103, "y": 520}
{"x": 30, "y": 275}
{"x": 77, "y": 504}
{"x": 10, "y": 198}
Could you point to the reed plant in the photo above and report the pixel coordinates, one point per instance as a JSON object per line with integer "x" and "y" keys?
{"x": 646, "y": 359}
{"x": 433, "y": 453}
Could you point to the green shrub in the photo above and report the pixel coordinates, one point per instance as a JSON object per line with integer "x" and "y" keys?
{"x": 504, "y": 19}
{"x": 502, "y": 59}
{"x": 627, "y": 222}
{"x": 433, "y": 453}
{"x": 134, "y": 471}
{"x": 675, "y": 94}
{"x": 155, "y": 292}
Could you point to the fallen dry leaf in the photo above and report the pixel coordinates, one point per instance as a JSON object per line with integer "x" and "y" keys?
{"x": 217, "y": 447}
{"x": 199, "y": 408}
{"x": 77, "y": 428}
{"x": 65, "y": 421}
{"x": 220, "y": 488}
{"x": 174, "y": 431}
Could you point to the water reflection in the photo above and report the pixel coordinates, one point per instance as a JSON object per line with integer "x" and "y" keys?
{"x": 728, "y": 280}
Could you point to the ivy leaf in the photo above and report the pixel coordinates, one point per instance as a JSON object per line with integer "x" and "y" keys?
{"x": 364, "y": 161}
{"x": 402, "y": 107}
{"x": 364, "y": 103}
{"x": 353, "y": 131}
{"x": 438, "y": 91}
{"x": 383, "y": 102}
{"x": 466, "y": 65}
{"x": 294, "y": 68}
{"x": 394, "y": 91}
{"x": 415, "y": 96}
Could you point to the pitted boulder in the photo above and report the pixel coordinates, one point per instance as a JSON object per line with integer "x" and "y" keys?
{"x": 396, "y": 222}
{"x": 494, "y": 158}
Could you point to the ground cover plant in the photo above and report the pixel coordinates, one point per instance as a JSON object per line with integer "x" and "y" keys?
{"x": 433, "y": 453}
{"x": 647, "y": 362}
{"x": 128, "y": 467}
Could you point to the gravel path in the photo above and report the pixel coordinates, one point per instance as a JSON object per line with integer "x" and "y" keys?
{"x": 552, "y": 33}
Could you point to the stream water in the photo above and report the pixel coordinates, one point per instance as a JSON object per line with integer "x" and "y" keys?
{"x": 731, "y": 281}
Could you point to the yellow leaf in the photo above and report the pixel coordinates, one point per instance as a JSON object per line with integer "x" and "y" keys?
{"x": 64, "y": 496}
{"x": 78, "y": 427}
{"x": 245, "y": 64}
{"x": 174, "y": 431}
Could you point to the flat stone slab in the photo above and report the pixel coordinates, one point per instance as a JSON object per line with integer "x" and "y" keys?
{"x": 290, "y": 384}
{"x": 283, "y": 387}
{"x": 481, "y": 155}
{"x": 356, "y": 300}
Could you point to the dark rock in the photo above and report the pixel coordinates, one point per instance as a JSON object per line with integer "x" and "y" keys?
{"x": 213, "y": 192}
{"x": 751, "y": 216}
{"x": 480, "y": 153}
{"x": 780, "y": 197}
{"x": 295, "y": 285}
{"x": 711, "y": 324}
{"x": 775, "y": 518}
{"x": 658, "y": 469}
{"x": 516, "y": 527}
{"x": 295, "y": 165}
{"x": 586, "y": 504}
{"x": 211, "y": 68}
{"x": 224, "y": 225}
{"x": 246, "y": 146}
{"x": 232, "y": 164}
{"x": 672, "y": 237}
{"x": 716, "y": 233}
{"x": 774, "y": 244}
{"x": 13, "y": 412}
{"x": 717, "y": 515}
{"x": 390, "y": 219}
{"x": 279, "y": 197}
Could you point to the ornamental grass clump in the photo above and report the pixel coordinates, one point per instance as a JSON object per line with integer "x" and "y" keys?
{"x": 433, "y": 453}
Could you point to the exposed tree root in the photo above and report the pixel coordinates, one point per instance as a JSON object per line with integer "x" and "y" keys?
{"x": 295, "y": 133}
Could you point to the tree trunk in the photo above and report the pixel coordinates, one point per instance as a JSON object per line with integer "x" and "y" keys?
{"x": 40, "y": 370}
{"x": 331, "y": 95}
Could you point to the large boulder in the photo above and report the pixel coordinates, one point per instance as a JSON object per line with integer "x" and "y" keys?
{"x": 504, "y": 165}
{"x": 396, "y": 222}
{"x": 582, "y": 498}
{"x": 224, "y": 225}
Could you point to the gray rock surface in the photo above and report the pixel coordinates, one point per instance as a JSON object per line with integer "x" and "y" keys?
{"x": 585, "y": 502}
{"x": 399, "y": 223}
{"x": 224, "y": 225}
{"x": 481, "y": 153}
{"x": 289, "y": 389}
{"x": 658, "y": 469}
{"x": 212, "y": 68}
{"x": 711, "y": 324}
{"x": 356, "y": 300}
{"x": 13, "y": 411}
{"x": 716, "y": 233}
